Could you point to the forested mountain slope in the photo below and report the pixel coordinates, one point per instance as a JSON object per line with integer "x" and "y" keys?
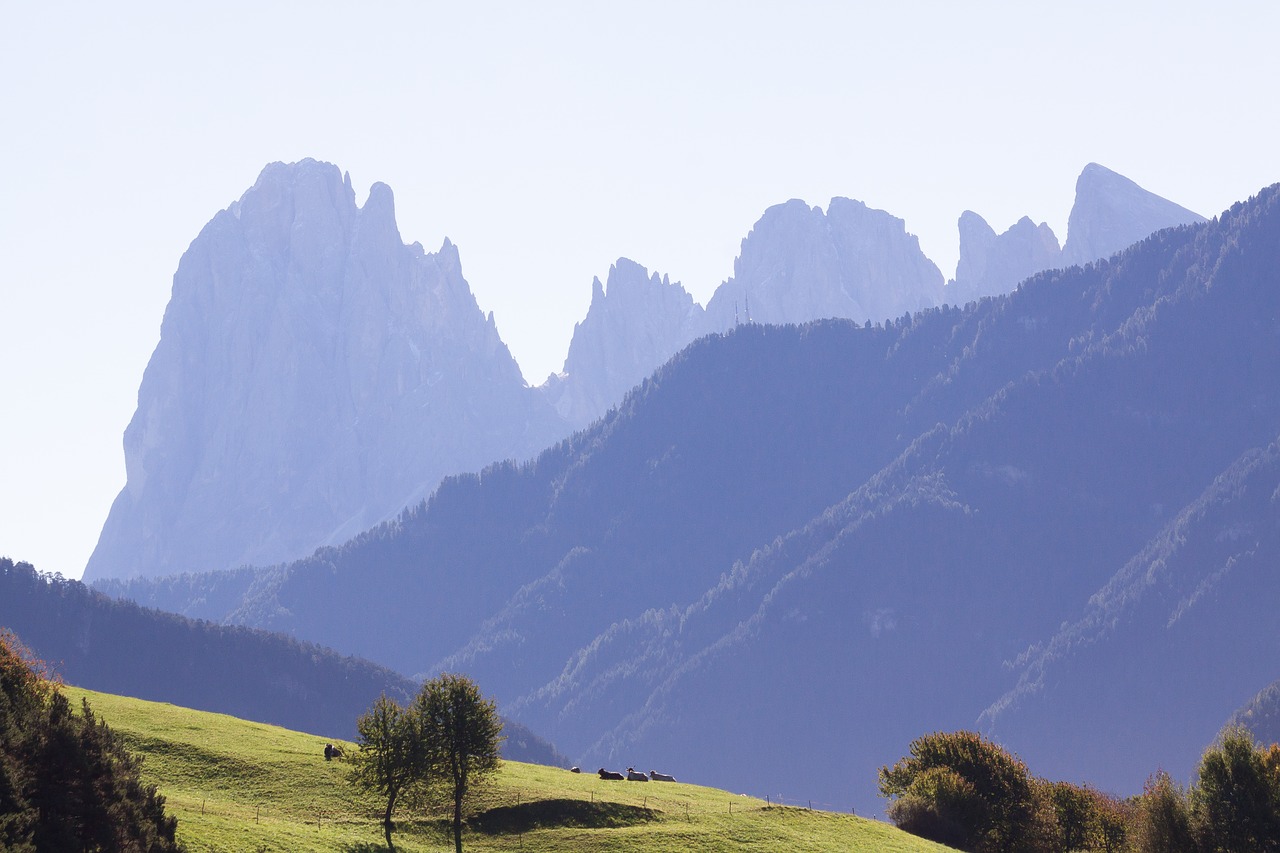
{"x": 793, "y": 549}
{"x": 1079, "y": 564}
{"x": 99, "y": 643}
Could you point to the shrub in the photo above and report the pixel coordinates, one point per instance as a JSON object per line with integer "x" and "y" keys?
{"x": 996, "y": 779}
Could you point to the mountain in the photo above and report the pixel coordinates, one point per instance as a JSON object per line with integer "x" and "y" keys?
{"x": 1094, "y": 536}
{"x": 992, "y": 264}
{"x": 1261, "y": 714}
{"x": 314, "y": 375}
{"x": 800, "y": 263}
{"x": 634, "y": 324}
{"x": 99, "y": 643}
{"x": 1111, "y": 212}
{"x": 793, "y": 549}
{"x": 1161, "y": 653}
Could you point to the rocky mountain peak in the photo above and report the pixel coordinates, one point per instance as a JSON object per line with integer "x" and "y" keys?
{"x": 637, "y": 320}
{"x": 314, "y": 376}
{"x": 800, "y": 263}
{"x": 1111, "y": 212}
{"x": 992, "y": 264}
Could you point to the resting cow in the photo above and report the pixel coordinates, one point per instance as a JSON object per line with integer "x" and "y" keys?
{"x": 633, "y": 776}
{"x": 660, "y": 777}
{"x": 609, "y": 774}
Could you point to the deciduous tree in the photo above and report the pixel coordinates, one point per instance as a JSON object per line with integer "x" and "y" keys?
{"x": 461, "y": 733}
{"x": 390, "y": 759}
{"x": 445, "y": 742}
{"x": 1161, "y": 823}
{"x": 999, "y": 779}
{"x": 1235, "y": 806}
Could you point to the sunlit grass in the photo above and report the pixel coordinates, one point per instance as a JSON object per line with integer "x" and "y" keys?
{"x": 240, "y": 786}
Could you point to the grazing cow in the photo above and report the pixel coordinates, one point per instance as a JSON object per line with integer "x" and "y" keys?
{"x": 609, "y": 774}
{"x": 660, "y": 777}
{"x": 633, "y": 776}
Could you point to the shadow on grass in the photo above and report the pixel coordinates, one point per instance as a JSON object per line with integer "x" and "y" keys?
{"x": 556, "y": 813}
{"x": 365, "y": 848}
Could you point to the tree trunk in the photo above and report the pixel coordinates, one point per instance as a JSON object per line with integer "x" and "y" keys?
{"x": 457, "y": 824}
{"x": 386, "y": 822}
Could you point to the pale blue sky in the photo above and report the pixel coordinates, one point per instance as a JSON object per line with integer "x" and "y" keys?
{"x": 546, "y": 140}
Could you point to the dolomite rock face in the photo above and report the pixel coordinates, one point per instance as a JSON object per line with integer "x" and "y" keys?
{"x": 800, "y": 263}
{"x": 992, "y": 264}
{"x": 635, "y": 323}
{"x": 314, "y": 376}
{"x": 797, "y": 264}
{"x": 1111, "y": 213}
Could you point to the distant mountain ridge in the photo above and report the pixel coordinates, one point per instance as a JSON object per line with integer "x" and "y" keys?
{"x": 1048, "y": 514}
{"x": 315, "y": 375}
{"x": 638, "y": 318}
{"x": 1110, "y": 213}
{"x": 95, "y": 642}
{"x": 800, "y": 263}
{"x": 992, "y": 264}
{"x": 1261, "y": 714}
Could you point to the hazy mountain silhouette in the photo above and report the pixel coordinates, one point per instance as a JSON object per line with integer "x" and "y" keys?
{"x": 1110, "y": 213}
{"x": 800, "y": 263}
{"x": 314, "y": 376}
{"x": 793, "y": 549}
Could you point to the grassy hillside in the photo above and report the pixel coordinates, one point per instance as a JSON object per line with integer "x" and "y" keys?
{"x": 241, "y": 786}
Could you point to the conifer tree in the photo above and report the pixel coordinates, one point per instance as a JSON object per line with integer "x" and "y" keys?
{"x": 66, "y": 780}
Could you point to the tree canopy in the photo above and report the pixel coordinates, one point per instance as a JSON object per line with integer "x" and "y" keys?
{"x": 961, "y": 789}
{"x": 66, "y": 780}
{"x": 443, "y": 744}
{"x": 967, "y": 792}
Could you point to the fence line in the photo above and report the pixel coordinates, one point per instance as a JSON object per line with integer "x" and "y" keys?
{"x": 812, "y": 805}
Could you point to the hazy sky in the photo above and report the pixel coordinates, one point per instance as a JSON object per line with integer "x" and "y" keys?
{"x": 546, "y": 140}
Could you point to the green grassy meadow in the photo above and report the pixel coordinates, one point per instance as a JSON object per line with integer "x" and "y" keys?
{"x": 241, "y": 786}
